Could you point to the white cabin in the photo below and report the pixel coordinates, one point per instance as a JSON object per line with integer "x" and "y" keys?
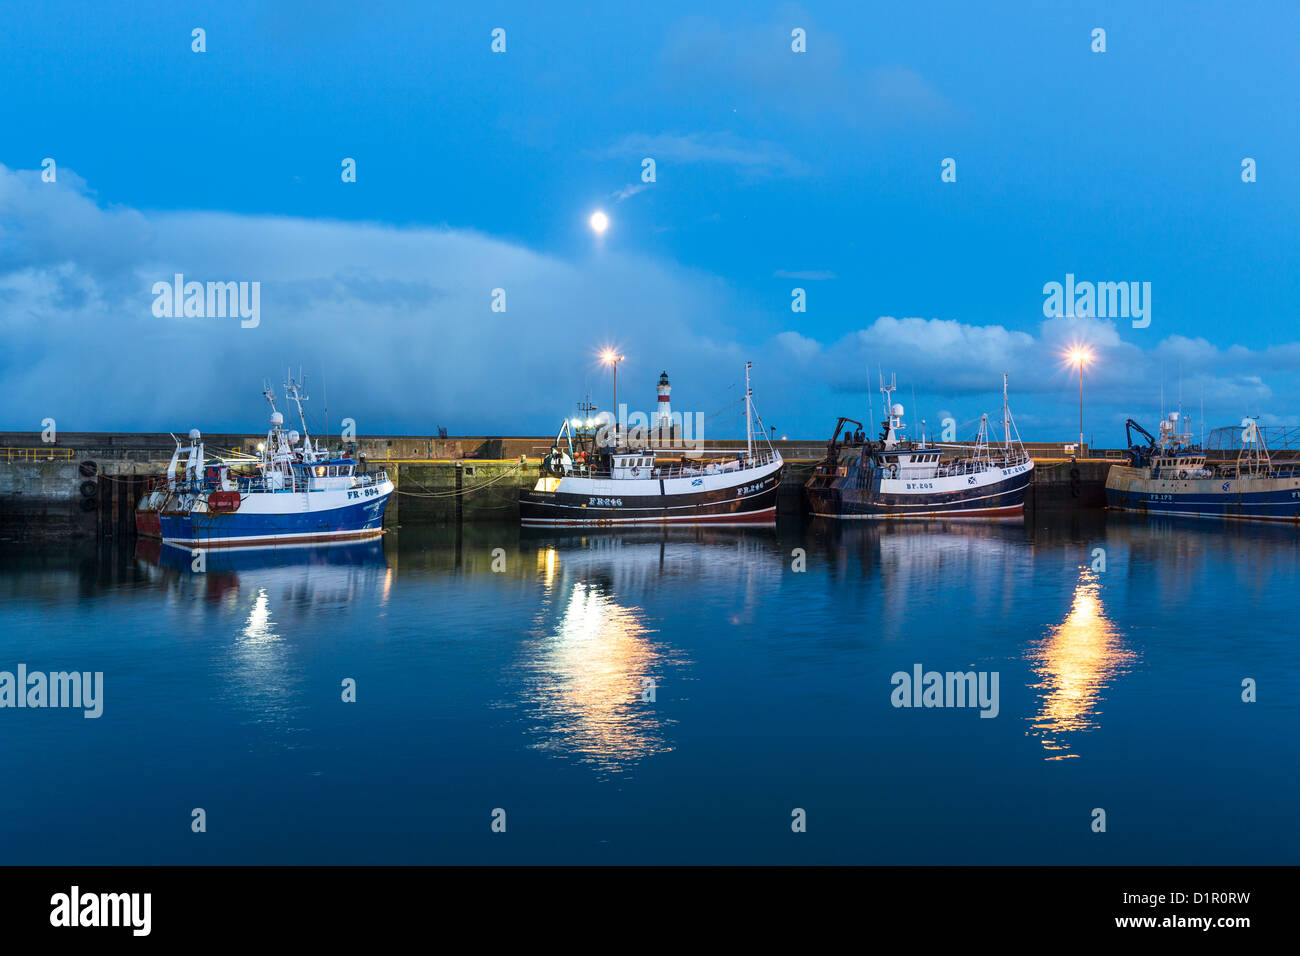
{"x": 634, "y": 465}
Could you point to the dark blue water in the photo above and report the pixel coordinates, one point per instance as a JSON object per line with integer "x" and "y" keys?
{"x": 1120, "y": 688}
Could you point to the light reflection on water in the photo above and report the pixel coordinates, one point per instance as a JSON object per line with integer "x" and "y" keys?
{"x": 586, "y": 676}
{"x": 523, "y": 687}
{"x": 276, "y": 598}
{"x": 1076, "y": 663}
{"x": 591, "y": 668}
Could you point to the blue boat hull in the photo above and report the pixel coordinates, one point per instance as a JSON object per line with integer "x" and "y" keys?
{"x": 202, "y": 529}
{"x": 1277, "y": 505}
{"x": 1265, "y": 497}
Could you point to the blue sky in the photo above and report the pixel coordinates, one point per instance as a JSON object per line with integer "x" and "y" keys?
{"x": 775, "y": 170}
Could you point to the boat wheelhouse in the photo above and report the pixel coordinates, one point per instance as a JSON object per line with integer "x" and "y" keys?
{"x": 895, "y": 478}
{"x": 592, "y": 478}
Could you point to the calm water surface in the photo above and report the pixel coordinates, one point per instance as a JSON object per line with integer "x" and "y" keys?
{"x": 522, "y": 689}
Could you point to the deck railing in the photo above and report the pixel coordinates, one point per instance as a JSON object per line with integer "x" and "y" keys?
{"x": 258, "y": 484}
{"x": 691, "y": 469}
{"x": 36, "y": 454}
{"x": 969, "y": 466}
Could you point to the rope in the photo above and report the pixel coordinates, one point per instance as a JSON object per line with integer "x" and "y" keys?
{"x": 124, "y": 479}
{"x": 464, "y": 491}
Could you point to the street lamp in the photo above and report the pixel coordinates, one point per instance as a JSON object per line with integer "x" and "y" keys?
{"x": 1080, "y": 355}
{"x": 610, "y": 357}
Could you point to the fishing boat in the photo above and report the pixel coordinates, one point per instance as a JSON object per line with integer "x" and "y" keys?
{"x": 894, "y": 477}
{"x": 298, "y": 493}
{"x": 597, "y": 479}
{"x": 1171, "y": 475}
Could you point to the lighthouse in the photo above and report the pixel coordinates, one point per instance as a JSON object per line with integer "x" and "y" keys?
{"x": 663, "y": 415}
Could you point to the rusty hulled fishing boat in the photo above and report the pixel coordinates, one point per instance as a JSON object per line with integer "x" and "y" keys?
{"x": 1258, "y": 480}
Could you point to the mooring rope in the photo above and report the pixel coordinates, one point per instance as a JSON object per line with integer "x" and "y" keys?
{"x": 463, "y": 491}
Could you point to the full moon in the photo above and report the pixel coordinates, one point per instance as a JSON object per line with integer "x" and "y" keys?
{"x": 599, "y": 222}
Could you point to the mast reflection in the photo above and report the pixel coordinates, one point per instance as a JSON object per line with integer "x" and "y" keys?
{"x": 1076, "y": 663}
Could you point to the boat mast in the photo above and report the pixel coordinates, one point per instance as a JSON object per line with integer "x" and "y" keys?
{"x": 749, "y": 415}
{"x": 292, "y": 389}
{"x": 1006, "y": 415}
{"x": 892, "y": 422}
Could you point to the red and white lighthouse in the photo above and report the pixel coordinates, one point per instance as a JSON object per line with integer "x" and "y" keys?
{"x": 663, "y": 414}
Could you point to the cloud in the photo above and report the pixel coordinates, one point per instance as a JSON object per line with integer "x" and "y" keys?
{"x": 950, "y": 359}
{"x": 630, "y": 190}
{"x": 752, "y": 64}
{"x": 808, "y": 275}
{"x": 757, "y": 158}
{"x": 399, "y": 320}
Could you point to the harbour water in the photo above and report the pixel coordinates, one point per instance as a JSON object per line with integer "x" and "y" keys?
{"x": 658, "y": 697}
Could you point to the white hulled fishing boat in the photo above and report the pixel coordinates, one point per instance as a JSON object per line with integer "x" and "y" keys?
{"x": 591, "y": 478}
{"x": 898, "y": 478}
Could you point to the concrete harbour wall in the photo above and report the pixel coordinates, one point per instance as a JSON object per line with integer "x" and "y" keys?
{"x": 46, "y": 492}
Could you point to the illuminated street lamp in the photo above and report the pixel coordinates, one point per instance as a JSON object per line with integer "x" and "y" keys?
{"x": 610, "y": 357}
{"x": 1080, "y": 355}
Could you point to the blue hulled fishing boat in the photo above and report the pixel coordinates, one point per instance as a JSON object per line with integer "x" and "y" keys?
{"x": 1170, "y": 475}
{"x": 299, "y": 494}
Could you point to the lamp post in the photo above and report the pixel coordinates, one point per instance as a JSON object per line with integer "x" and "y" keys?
{"x": 1080, "y": 356}
{"x": 610, "y": 357}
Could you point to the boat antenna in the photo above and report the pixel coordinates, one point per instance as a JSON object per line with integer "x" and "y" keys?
{"x": 293, "y": 389}
{"x": 880, "y": 374}
{"x": 326, "y": 400}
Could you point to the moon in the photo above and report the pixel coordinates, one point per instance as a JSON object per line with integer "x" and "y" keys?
{"x": 599, "y": 222}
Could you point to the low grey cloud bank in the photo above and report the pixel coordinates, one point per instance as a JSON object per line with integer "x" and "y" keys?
{"x": 401, "y": 322}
